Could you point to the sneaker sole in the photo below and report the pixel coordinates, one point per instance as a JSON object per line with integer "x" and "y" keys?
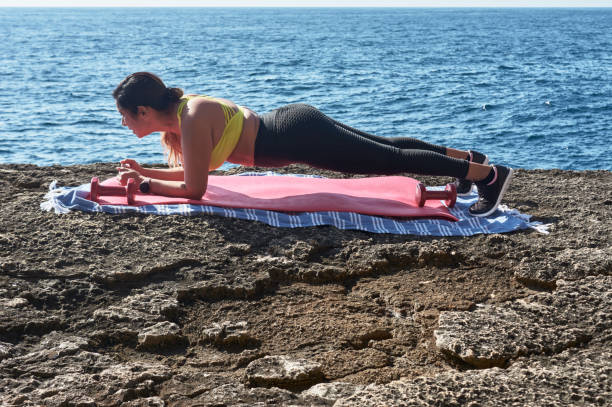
{"x": 485, "y": 162}
{"x": 499, "y": 198}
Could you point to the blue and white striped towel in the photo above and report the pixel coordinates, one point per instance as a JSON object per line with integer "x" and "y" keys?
{"x": 63, "y": 200}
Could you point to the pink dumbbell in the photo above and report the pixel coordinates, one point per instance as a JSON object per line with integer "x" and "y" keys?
{"x": 449, "y": 195}
{"x": 96, "y": 190}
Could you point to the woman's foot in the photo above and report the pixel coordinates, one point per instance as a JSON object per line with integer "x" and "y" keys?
{"x": 464, "y": 186}
{"x": 490, "y": 193}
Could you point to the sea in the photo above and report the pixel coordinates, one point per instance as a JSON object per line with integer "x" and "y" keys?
{"x": 532, "y": 88}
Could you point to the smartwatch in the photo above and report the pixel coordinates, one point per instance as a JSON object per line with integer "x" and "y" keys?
{"x": 144, "y": 186}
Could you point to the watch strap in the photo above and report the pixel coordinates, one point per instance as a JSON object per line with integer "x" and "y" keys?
{"x": 144, "y": 186}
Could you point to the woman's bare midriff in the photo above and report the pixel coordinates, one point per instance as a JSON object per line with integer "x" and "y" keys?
{"x": 245, "y": 149}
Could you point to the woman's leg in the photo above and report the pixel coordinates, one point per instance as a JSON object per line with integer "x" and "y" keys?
{"x": 302, "y": 134}
{"x": 399, "y": 142}
{"x": 492, "y": 182}
{"x": 409, "y": 143}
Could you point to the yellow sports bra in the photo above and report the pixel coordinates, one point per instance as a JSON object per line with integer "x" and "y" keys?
{"x": 231, "y": 133}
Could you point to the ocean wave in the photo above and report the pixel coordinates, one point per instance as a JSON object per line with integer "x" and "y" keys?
{"x": 507, "y": 67}
{"x": 535, "y": 137}
{"x": 471, "y": 73}
{"x": 491, "y": 106}
{"x": 89, "y": 122}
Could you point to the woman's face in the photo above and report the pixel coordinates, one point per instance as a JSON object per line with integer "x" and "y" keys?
{"x": 135, "y": 122}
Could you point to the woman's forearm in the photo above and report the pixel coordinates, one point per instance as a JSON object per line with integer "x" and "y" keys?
{"x": 167, "y": 174}
{"x": 174, "y": 188}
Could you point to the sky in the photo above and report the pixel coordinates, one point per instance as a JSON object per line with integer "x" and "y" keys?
{"x": 306, "y": 3}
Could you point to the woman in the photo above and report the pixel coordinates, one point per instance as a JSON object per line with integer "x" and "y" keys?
{"x": 200, "y": 133}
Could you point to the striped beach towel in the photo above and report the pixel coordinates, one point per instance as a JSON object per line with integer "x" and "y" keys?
{"x": 66, "y": 199}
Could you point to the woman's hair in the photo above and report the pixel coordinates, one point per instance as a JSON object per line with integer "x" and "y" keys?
{"x": 147, "y": 89}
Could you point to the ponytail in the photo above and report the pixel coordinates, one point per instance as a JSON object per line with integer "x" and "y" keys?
{"x": 173, "y": 95}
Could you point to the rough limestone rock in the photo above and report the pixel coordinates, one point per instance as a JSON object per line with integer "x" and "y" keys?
{"x": 60, "y": 372}
{"x": 330, "y": 392}
{"x": 17, "y": 318}
{"x": 6, "y": 350}
{"x": 76, "y": 292}
{"x": 140, "y": 309}
{"x": 229, "y": 334}
{"x": 130, "y": 320}
{"x": 198, "y": 388}
{"x": 161, "y": 335}
{"x": 544, "y": 323}
{"x": 283, "y": 372}
{"x": 56, "y": 354}
{"x": 113, "y": 386}
{"x": 194, "y": 387}
{"x": 127, "y": 273}
{"x": 190, "y": 383}
{"x": 568, "y": 264}
{"x": 16, "y": 303}
{"x": 220, "y": 286}
{"x": 237, "y": 394}
{"x": 145, "y": 402}
{"x": 574, "y": 377}
{"x": 337, "y": 365}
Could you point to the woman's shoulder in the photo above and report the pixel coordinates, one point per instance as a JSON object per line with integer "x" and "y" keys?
{"x": 199, "y": 104}
{"x": 201, "y": 111}
{"x": 203, "y": 104}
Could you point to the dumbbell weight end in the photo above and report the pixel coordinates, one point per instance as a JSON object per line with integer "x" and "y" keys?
{"x": 449, "y": 195}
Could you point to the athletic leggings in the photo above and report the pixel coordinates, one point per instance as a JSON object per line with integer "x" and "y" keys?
{"x": 300, "y": 133}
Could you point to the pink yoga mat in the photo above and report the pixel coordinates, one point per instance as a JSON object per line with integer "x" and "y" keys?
{"x": 382, "y": 196}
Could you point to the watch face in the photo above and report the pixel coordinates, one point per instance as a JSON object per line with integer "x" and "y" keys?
{"x": 144, "y": 187}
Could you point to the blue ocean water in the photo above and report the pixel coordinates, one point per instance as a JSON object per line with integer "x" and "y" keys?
{"x": 530, "y": 87}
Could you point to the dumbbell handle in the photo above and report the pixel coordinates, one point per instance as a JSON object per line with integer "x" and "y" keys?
{"x": 449, "y": 194}
{"x": 97, "y": 190}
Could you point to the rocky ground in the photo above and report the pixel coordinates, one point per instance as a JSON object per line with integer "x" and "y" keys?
{"x": 134, "y": 310}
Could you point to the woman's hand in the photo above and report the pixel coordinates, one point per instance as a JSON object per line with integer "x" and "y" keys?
{"x": 130, "y": 164}
{"x": 127, "y": 173}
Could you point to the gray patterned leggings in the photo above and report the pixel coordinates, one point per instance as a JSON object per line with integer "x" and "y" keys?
{"x": 300, "y": 133}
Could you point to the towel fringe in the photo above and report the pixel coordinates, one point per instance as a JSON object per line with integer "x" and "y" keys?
{"x": 51, "y": 201}
{"x": 55, "y": 198}
{"x": 538, "y": 226}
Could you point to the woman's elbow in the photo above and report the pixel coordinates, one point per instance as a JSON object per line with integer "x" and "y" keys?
{"x": 195, "y": 193}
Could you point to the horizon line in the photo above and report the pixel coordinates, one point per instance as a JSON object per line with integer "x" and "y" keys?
{"x": 269, "y": 6}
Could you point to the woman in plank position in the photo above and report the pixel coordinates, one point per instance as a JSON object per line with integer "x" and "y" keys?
{"x": 200, "y": 133}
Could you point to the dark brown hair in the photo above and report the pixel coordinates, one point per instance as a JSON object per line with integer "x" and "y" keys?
{"x": 147, "y": 89}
